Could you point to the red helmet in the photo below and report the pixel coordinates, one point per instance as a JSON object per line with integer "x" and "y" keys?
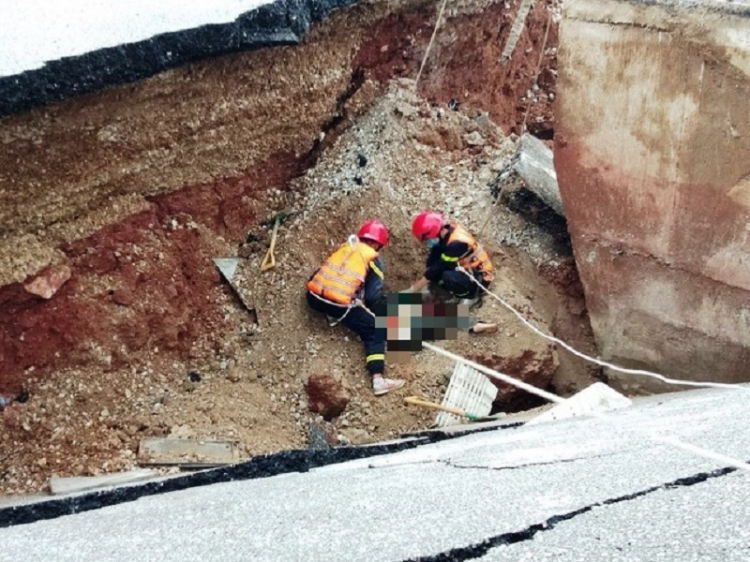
{"x": 374, "y": 230}
{"x": 427, "y": 225}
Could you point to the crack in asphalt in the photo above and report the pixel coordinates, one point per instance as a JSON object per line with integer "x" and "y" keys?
{"x": 627, "y": 24}
{"x": 519, "y": 466}
{"x": 480, "y": 549}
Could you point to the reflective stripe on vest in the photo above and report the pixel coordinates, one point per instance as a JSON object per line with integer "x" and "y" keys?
{"x": 476, "y": 258}
{"x": 342, "y": 275}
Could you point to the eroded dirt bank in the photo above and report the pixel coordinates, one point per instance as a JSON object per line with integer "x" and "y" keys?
{"x": 133, "y": 191}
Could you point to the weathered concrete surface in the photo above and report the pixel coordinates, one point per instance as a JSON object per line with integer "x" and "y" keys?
{"x": 652, "y": 160}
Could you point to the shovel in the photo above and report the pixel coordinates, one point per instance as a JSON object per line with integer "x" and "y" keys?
{"x": 455, "y": 411}
{"x": 269, "y": 261}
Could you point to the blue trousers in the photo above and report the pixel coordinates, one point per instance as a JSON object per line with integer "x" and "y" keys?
{"x": 361, "y": 323}
{"x": 459, "y": 285}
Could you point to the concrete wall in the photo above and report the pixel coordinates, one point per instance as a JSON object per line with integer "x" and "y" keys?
{"x": 653, "y": 159}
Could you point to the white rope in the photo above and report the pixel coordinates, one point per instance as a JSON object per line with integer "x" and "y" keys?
{"x": 429, "y": 45}
{"x": 495, "y": 374}
{"x": 538, "y": 69}
{"x": 594, "y": 359}
{"x": 699, "y": 451}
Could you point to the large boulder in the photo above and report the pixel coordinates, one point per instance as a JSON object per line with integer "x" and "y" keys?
{"x": 327, "y": 395}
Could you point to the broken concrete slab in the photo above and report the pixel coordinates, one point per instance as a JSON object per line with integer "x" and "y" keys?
{"x": 531, "y": 168}
{"x": 186, "y": 453}
{"x": 516, "y": 29}
{"x": 596, "y": 398}
{"x": 71, "y": 485}
{"x": 227, "y": 267}
{"x": 535, "y": 166}
{"x": 527, "y": 185}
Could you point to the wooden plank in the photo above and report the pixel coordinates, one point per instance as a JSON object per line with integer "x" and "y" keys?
{"x": 63, "y": 485}
{"x": 186, "y": 453}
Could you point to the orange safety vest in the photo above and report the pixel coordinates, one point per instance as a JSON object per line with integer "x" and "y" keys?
{"x": 342, "y": 275}
{"x": 476, "y": 259}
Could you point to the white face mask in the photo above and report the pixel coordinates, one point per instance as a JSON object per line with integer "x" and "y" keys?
{"x": 432, "y": 242}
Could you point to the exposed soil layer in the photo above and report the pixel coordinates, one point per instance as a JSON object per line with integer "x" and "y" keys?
{"x": 181, "y": 168}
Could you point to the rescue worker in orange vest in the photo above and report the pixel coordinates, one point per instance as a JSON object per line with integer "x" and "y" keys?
{"x": 451, "y": 245}
{"x": 352, "y": 274}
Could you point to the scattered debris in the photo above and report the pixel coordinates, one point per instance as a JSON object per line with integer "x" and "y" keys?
{"x": 481, "y": 327}
{"x": 328, "y": 396}
{"x": 256, "y": 241}
{"x": 8, "y": 401}
{"x": 49, "y": 281}
{"x": 322, "y": 435}
{"x": 252, "y": 388}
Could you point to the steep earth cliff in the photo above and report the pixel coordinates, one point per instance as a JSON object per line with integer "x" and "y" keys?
{"x": 652, "y": 156}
